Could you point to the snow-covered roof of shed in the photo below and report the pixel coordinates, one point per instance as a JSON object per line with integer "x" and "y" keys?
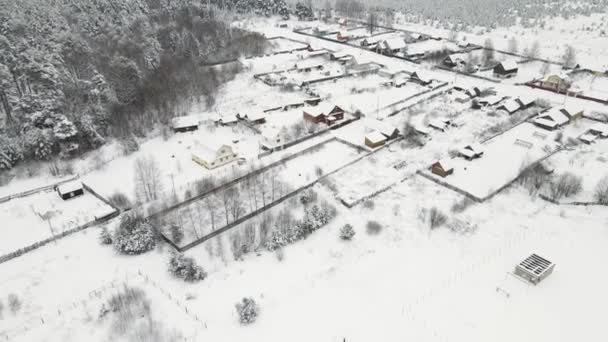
{"x": 526, "y": 99}
{"x": 375, "y": 137}
{"x": 394, "y": 43}
{"x": 509, "y": 65}
{"x": 184, "y": 121}
{"x": 68, "y": 187}
{"x": 511, "y": 105}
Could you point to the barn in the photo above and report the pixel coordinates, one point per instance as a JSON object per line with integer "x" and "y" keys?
{"x": 534, "y": 269}
{"x": 70, "y": 189}
{"x": 184, "y": 123}
{"x": 506, "y": 69}
{"x": 442, "y": 168}
{"x": 374, "y": 139}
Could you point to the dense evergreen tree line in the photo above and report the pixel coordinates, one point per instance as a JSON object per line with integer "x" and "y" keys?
{"x": 73, "y": 72}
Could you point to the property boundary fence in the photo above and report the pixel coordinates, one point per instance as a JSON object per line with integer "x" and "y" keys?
{"x": 36, "y": 190}
{"x": 268, "y": 206}
{"x": 575, "y": 203}
{"x": 55, "y": 237}
{"x": 441, "y": 67}
{"x": 533, "y": 85}
{"x": 109, "y": 288}
{"x": 439, "y": 93}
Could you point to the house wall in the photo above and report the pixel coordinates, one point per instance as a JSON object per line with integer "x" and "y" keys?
{"x": 310, "y": 118}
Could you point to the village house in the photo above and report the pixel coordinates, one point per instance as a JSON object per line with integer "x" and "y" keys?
{"x": 526, "y": 101}
{"x": 454, "y": 60}
{"x": 212, "y": 155}
{"x": 510, "y": 106}
{"x": 184, "y": 123}
{"x": 389, "y": 131}
{"x": 392, "y": 46}
{"x": 442, "y": 168}
{"x": 551, "y": 120}
{"x": 273, "y": 138}
{"x": 472, "y": 151}
{"x": 421, "y": 78}
{"x": 369, "y": 42}
{"x": 599, "y": 129}
{"x": 323, "y": 113}
{"x": 343, "y": 36}
{"x": 506, "y": 69}
{"x": 572, "y": 112}
{"x": 556, "y": 82}
{"x": 255, "y": 118}
{"x": 70, "y": 189}
{"x": 491, "y": 100}
{"x": 228, "y": 120}
{"x": 375, "y": 139}
{"x": 439, "y": 124}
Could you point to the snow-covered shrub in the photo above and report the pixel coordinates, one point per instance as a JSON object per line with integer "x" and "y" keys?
{"x": 280, "y": 237}
{"x": 373, "y": 227}
{"x": 120, "y": 200}
{"x": 437, "y": 218}
{"x": 134, "y": 235}
{"x": 347, "y": 232}
{"x": 185, "y": 268}
{"x": 565, "y": 185}
{"x": 601, "y": 191}
{"x": 248, "y": 310}
{"x": 105, "y": 238}
{"x": 14, "y": 303}
{"x": 308, "y": 196}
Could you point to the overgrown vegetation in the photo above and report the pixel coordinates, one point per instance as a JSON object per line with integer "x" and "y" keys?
{"x": 185, "y": 268}
{"x": 533, "y": 177}
{"x": 437, "y": 218}
{"x": 565, "y": 185}
{"x": 73, "y": 73}
{"x": 105, "y": 237}
{"x": 601, "y": 191}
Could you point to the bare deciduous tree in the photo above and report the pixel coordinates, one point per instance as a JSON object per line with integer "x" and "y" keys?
{"x": 569, "y": 58}
{"x": 148, "y": 186}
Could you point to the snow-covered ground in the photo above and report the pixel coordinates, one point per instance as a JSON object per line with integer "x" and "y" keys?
{"x": 408, "y": 282}
{"x": 30, "y": 219}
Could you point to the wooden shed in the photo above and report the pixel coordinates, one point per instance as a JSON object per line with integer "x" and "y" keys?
{"x": 184, "y": 123}
{"x": 442, "y": 168}
{"x": 374, "y": 139}
{"x": 70, "y": 189}
{"x": 534, "y": 269}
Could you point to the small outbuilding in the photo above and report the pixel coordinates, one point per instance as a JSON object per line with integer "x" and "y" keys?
{"x": 572, "y": 112}
{"x": 599, "y": 129}
{"x": 184, "y": 123}
{"x": 510, "y": 106}
{"x": 374, "y": 139}
{"x": 439, "y": 124}
{"x": 228, "y": 120}
{"x": 442, "y": 168}
{"x": 472, "y": 151}
{"x": 70, "y": 190}
{"x": 588, "y": 138}
{"x": 506, "y": 69}
{"x": 526, "y": 101}
{"x": 534, "y": 269}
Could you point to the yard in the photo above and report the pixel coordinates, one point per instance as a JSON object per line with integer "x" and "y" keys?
{"x": 204, "y": 216}
{"x": 42, "y": 215}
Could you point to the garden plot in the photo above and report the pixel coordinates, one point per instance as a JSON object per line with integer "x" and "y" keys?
{"x": 245, "y": 92}
{"x": 282, "y": 44}
{"x": 589, "y": 162}
{"x": 129, "y": 309}
{"x": 429, "y": 47}
{"x": 504, "y": 158}
{"x": 306, "y": 71}
{"x": 592, "y": 85}
{"x": 366, "y": 93}
{"x": 40, "y": 216}
{"x": 374, "y": 173}
{"x": 215, "y": 211}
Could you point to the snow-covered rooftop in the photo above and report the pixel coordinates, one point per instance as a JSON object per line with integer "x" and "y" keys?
{"x": 184, "y": 121}
{"x": 68, "y": 187}
{"x": 375, "y": 137}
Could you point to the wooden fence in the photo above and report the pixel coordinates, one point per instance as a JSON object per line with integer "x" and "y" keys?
{"x": 36, "y": 190}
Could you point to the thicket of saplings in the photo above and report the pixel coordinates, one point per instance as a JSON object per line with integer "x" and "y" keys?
{"x": 130, "y": 317}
